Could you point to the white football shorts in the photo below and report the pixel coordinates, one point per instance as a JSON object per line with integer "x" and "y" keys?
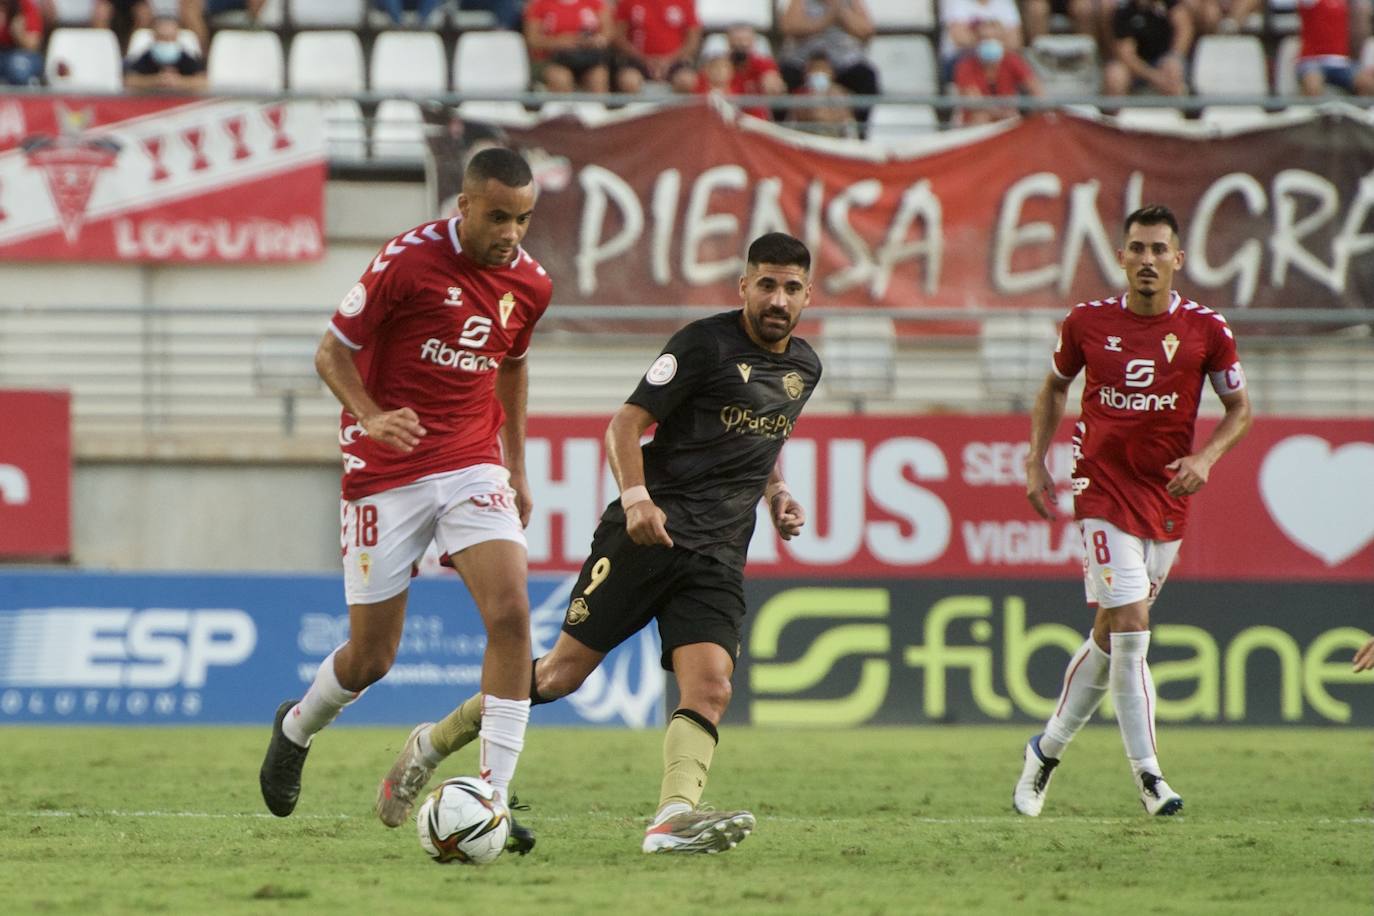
{"x": 384, "y": 535}
{"x": 1120, "y": 568}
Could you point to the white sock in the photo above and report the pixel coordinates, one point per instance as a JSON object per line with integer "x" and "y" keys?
{"x": 325, "y": 699}
{"x": 502, "y": 738}
{"x": 1133, "y": 696}
{"x": 1085, "y": 684}
{"x": 428, "y": 754}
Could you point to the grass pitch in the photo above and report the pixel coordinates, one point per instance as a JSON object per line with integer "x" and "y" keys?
{"x": 877, "y": 821}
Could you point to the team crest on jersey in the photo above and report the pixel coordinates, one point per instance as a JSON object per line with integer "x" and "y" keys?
{"x": 1113, "y": 343}
{"x": 578, "y": 611}
{"x": 794, "y": 386}
{"x": 507, "y": 305}
{"x": 354, "y": 301}
{"x": 1170, "y": 343}
{"x": 744, "y": 370}
{"x": 455, "y": 296}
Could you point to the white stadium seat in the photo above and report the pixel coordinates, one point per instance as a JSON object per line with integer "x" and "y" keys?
{"x": 719, "y": 43}
{"x": 905, "y": 64}
{"x": 246, "y": 61}
{"x": 512, "y": 114}
{"x": 721, "y": 14}
{"x": 491, "y": 62}
{"x": 398, "y": 131}
{"x": 74, "y": 12}
{"x": 902, "y": 15}
{"x": 344, "y": 131}
{"x": 411, "y": 63}
{"x": 326, "y": 62}
{"x": 312, "y": 14}
{"x": 1234, "y": 117}
{"x": 1285, "y": 66}
{"x": 1147, "y": 118}
{"x": 1230, "y": 65}
{"x": 84, "y": 59}
{"x": 891, "y": 123}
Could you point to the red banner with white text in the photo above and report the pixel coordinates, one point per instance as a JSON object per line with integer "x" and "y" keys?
{"x": 659, "y": 209}
{"x": 159, "y": 179}
{"x": 944, "y": 497}
{"x": 35, "y": 475}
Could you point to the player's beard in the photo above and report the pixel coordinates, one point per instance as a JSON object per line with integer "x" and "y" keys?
{"x": 772, "y": 331}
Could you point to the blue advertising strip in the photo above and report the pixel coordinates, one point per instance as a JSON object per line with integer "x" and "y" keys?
{"x": 159, "y": 649}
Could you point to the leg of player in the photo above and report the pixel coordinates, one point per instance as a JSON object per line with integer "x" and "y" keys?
{"x": 555, "y": 675}
{"x": 1085, "y": 684}
{"x": 1133, "y": 695}
{"x": 374, "y": 633}
{"x": 703, "y": 677}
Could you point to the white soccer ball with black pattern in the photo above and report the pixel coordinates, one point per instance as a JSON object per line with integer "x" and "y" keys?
{"x": 462, "y": 820}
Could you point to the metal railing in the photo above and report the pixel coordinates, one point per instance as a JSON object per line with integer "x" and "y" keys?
{"x": 210, "y": 381}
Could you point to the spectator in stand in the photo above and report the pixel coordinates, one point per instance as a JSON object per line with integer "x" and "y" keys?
{"x": 423, "y": 11}
{"x": 21, "y": 37}
{"x": 569, "y": 42}
{"x": 1152, "y": 38}
{"x": 651, "y": 36}
{"x": 509, "y": 13}
{"x": 123, "y": 16}
{"x": 1225, "y": 17}
{"x": 991, "y": 71}
{"x": 683, "y": 78}
{"x": 195, "y": 14}
{"x": 1324, "y": 57}
{"x": 961, "y": 19}
{"x": 825, "y": 40}
{"x": 1089, "y": 17}
{"x": 836, "y": 119}
{"x": 740, "y": 68}
{"x": 167, "y": 65}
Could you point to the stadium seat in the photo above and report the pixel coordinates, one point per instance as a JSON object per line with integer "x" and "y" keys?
{"x": 270, "y": 16}
{"x": 509, "y": 113}
{"x": 1285, "y": 66}
{"x": 398, "y": 131}
{"x": 590, "y": 113}
{"x": 891, "y": 123}
{"x": 860, "y": 353}
{"x": 1230, "y": 65}
{"x": 142, "y": 39}
{"x": 411, "y": 63}
{"x": 344, "y": 14}
{"x": 715, "y": 15}
{"x": 246, "y": 61}
{"x": 73, "y": 12}
{"x": 344, "y": 131}
{"x": 326, "y": 62}
{"x": 718, "y": 43}
{"x": 902, "y": 15}
{"x": 84, "y": 59}
{"x": 491, "y": 62}
{"x": 1067, "y": 64}
{"x": 905, "y": 64}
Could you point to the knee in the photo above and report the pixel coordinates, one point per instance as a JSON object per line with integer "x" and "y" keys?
{"x": 508, "y": 618}
{"x": 709, "y": 696}
{"x": 363, "y": 666}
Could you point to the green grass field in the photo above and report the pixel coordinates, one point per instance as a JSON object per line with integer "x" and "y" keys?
{"x": 106, "y": 820}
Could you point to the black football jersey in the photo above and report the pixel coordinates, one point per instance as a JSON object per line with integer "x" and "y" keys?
{"x": 724, "y": 407}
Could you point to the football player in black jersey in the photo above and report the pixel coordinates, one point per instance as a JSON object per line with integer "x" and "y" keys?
{"x": 725, "y": 393}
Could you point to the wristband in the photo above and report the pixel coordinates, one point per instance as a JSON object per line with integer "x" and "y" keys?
{"x": 634, "y": 495}
{"x": 773, "y": 489}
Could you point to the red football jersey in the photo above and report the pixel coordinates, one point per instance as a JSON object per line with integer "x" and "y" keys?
{"x": 430, "y": 327}
{"x": 657, "y": 28}
{"x": 1140, "y": 400}
{"x": 1325, "y": 29}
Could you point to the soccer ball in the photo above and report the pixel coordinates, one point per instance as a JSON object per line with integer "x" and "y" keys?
{"x": 463, "y": 821}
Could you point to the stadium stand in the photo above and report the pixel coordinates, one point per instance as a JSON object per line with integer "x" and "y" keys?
{"x": 1230, "y": 65}
{"x": 889, "y": 123}
{"x": 340, "y": 14}
{"x": 905, "y": 64}
{"x": 903, "y": 15}
{"x": 494, "y": 61}
{"x": 326, "y": 61}
{"x": 398, "y": 131}
{"x": 245, "y": 61}
{"x": 84, "y": 59}
{"x": 721, "y": 14}
{"x": 408, "y": 63}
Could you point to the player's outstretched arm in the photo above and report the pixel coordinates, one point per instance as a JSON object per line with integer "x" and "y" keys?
{"x": 400, "y": 429}
{"x": 1045, "y": 417}
{"x": 1364, "y": 659}
{"x": 512, "y": 390}
{"x": 645, "y": 522}
{"x": 1191, "y": 471}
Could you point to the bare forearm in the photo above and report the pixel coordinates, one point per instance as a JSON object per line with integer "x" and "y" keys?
{"x": 512, "y": 390}
{"x": 622, "y": 445}
{"x": 334, "y": 363}
{"x": 1229, "y": 431}
{"x": 1045, "y": 417}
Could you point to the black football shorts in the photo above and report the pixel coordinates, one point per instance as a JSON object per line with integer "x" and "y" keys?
{"x": 624, "y": 585}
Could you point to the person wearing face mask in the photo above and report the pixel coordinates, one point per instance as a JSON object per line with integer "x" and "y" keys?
{"x": 992, "y": 70}
{"x": 738, "y": 67}
{"x": 167, "y": 65}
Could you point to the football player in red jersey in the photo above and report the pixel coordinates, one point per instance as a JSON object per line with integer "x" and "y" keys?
{"x": 1146, "y": 354}
{"x": 426, "y": 355}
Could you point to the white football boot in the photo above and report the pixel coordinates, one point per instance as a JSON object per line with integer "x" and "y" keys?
{"x": 1029, "y": 795}
{"x": 1157, "y": 797}
{"x": 698, "y": 830}
{"x": 403, "y": 782}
